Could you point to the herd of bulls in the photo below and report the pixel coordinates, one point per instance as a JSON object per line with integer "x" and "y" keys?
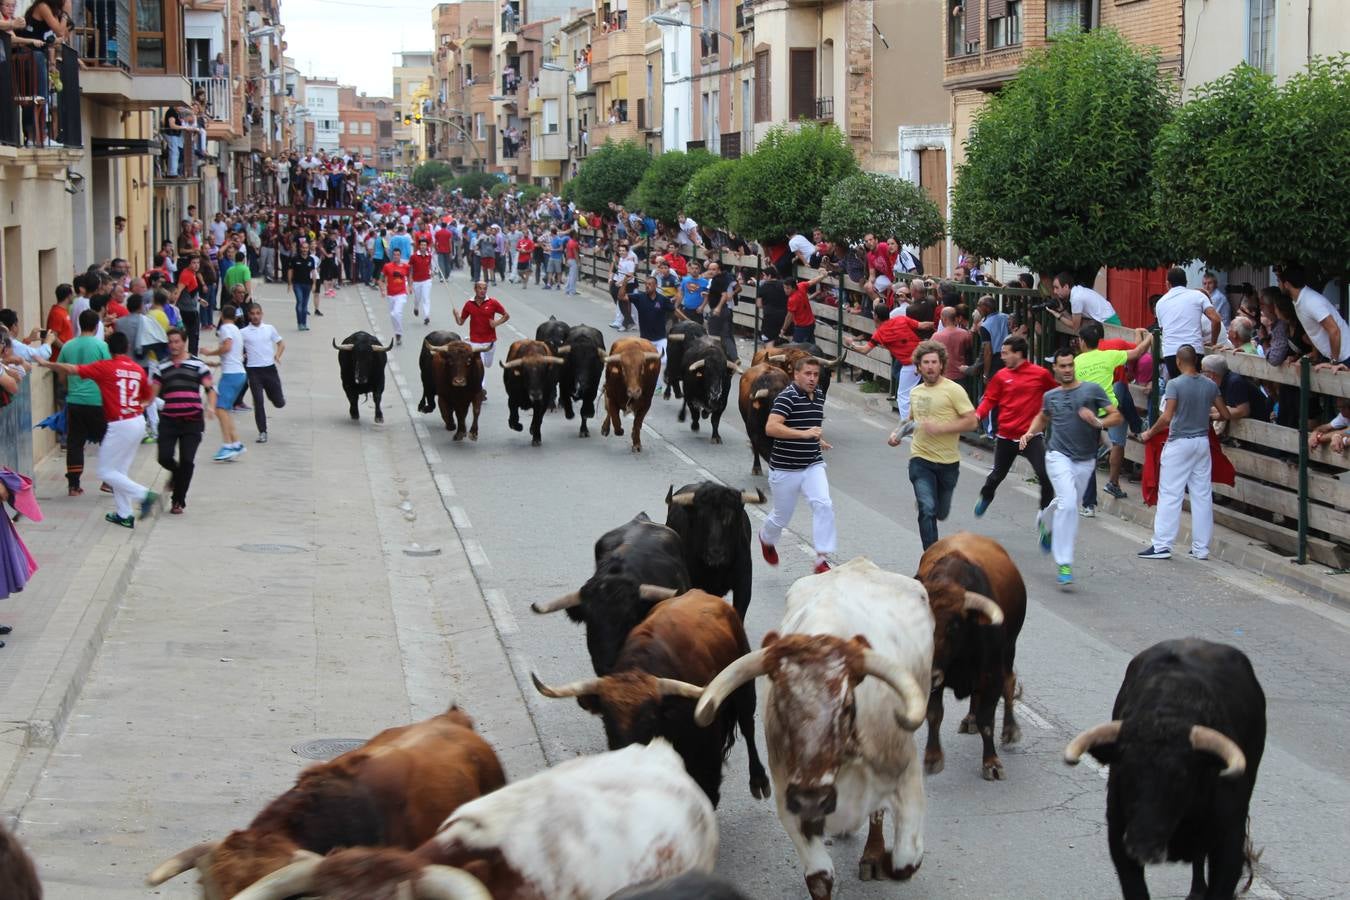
{"x": 861, "y": 658}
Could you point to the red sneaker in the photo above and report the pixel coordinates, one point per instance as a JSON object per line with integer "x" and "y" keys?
{"x": 822, "y": 567}
{"x": 770, "y": 552}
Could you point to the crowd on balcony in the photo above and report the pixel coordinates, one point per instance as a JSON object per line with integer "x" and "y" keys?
{"x": 34, "y": 48}
{"x": 511, "y": 140}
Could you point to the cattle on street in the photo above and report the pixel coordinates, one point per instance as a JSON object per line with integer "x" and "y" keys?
{"x": 713, "y": 526}
{"x": 680, "y": 335}
{"x": 582, "y": 372}
{"x": 530, "y": 375}
{"x": 457, "y": 375}
{"x": 707, "y": 383}
{"x": 427, "y": 403}
{"x": 361, "y": 362}
{"x": 631, "y": 371}
{"x": 759, "y": 386}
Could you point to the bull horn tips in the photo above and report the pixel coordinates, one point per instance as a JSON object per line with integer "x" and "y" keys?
{"x": 979, "y": 603}
{"x": 656, "y": 592}
{"x": 755, "y": 496}
{"x": 179, "y": 863}
{"x": 566, "y": 601}
{"x": 1105, "y": 733}
{"x": 447, "y": 883}
{"x": 1208, "y": 740}
{"x": 565, "y": 348}
{"x": 684, "y": 498}
{"x": 540, "y": 686}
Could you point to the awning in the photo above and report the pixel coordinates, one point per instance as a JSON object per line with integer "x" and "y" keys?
{"x": 106, "y": 148}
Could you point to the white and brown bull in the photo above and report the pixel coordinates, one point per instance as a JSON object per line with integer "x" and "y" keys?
{"x": 631, "y": 371}
{"x": 841, "y": 744}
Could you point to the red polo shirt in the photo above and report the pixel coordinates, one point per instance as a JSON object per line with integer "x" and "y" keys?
{"x": 395, "y": 278}
{"x": 1018, "y": 394}
{"x": 480, "y": 316}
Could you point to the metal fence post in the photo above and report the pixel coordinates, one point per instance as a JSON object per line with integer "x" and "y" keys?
{"x": 1304, "y": 390}
{"x": 1153, "y": 398}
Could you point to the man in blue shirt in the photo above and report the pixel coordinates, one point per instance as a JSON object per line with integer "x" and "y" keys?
{"x": 556, "y": 245}
{"x": 693, "y": 294}
{"x": 401, "y": 241}
{"x": 653, "y": 310}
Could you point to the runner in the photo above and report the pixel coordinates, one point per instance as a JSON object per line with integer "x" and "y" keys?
{"x": 394, "y": 287}
{"x": 796, "y": 466}
{"x": 179, "y": 380}
{"x": 524, "y": 248}
{"x": 263, "y": 349}
{"x": 300, "y": 278}
{"x": 420, "y": 266}
{"x": 484, "y": 315}
{"x": 84, "y": 400}
{"x": 233, "y": 379}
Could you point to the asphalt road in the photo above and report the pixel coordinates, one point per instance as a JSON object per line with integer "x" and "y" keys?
{"x": 532, "y": 515}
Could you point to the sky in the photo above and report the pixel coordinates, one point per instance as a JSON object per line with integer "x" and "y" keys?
{"x": 355, "y": 42}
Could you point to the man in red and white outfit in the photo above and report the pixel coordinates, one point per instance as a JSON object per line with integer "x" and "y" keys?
{"x": 394, "y": 286}
{"x": 420, "y": 266}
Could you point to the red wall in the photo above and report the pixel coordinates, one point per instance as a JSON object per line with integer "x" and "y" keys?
{"x": 1129, "y": 290}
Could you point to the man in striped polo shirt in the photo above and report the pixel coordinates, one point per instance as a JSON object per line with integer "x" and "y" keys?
{"x": 179, "y": 381}
{"x": 796, "y": 466}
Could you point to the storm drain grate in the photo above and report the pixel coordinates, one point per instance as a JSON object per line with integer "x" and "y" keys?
{"x": 325, "y": 749}
{"x": 272, "y": 548}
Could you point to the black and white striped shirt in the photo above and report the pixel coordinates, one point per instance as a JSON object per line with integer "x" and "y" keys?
{"x": 798, "y": 411}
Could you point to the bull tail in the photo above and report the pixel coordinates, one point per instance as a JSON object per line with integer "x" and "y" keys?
{"x": 1250, "y": 857}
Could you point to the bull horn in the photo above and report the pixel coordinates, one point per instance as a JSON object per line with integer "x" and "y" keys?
{"x": 656, "y": 592}
{"x": 746, "y": 669}
{"x": 434, "y": 348}
{"x": 603, "y": 357}
{"x": 981, "y": 604}
{"x": 295, "y": 879}
{"x": 611, "y": 359}
{"x": 513, "y": 364}
{"x": 938, "y": 678}
{"x": 566, "y": 601}
{"x": 756, "y": 497}
{"x": 1105, "y": 733}
{"x": 553, "y": 360}
{"x": 683, "y": 498}
{"x": 337, "y": 346}
{"x": 378, "y": 349}
{"x": 678, "y": 336}
{"x": 673, "y": 687}
{"x": 760, "y": 394}
{"x": 1207, "y": 740}
{"x": 695, "y": 366}
{"x": 653, "y": 355}
{"x": 181, "y": 863}
{"x": 565, "y": 348}
{"x": 914, "y": 698}
{"x": 572, "y": 689}
{"x": 733, "y": 367}
{"x": 827, "y": 363}
{"x": 447, "y": 883}
{"x": 776, "y": 357}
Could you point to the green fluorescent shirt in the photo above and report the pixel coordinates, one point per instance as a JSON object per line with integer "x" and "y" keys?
{"x": 82, "y": 391}
{"x": 1098, "y": 367}
{"x": 237, "y": 274}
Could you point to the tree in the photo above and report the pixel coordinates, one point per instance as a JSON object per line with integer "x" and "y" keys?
{"x": 704, "y": 198}
{"x": 431, "y": 174}
{"x": 778, "y": 189}
{"x": 1251, "y": 173}
{"x": 472, "y": 183}
{"x": 1057, "y": 170}
{"x": 608, "y": 173}
{"x": 869, "y": 203}
{"x": 661, "y": 189}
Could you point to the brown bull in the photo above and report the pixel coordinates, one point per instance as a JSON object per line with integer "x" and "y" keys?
{"x": 457, "y": 372}
{"x": 394, "y": 791}
{"x": 979, "y": 603}
{"x": 631, "y": 371}
{"x": 760, "y": 385}
{"x": 18, "y": 877}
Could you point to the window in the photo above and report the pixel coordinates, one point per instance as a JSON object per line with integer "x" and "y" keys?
{"x": 550, "y": 116}
{"x": 480, "y": 126}
{"x": 1067, "y": 17}
{"x": 1005, "y": 23}
{"x": 150, "y": 34}
{"x": 1260, "y": 33}
{"x": 675, "y": 58}
{"x": 712, "y": 17}
{"x": 763, "y": 98}
{"x": 801, "y": 83}
{"x": 365, "y": 128}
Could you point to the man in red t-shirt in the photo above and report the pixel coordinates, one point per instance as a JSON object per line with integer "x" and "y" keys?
{"x": 58, "y": 317}
{"x": 572, "y": 256}
{"x": 124, "y": 388}
{"x": 900, "y": 335}
{"x": 801, "y": 320}
{"x": 444, "y": 242}
{"x": 394, "y": 287}
{"x": 524, "y": 250}
{"x": 420, "y": 266}
{"x": 484, "y": 315}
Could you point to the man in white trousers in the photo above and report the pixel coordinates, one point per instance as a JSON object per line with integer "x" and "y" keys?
{"x": 394, "y": 287}
{"x": 124, "y": 387}
{"x": 1185, "y": 463}
{"x": 420, "y": 267}
{"x": 796, "y": 467}
{"x": 1077, "y": 413}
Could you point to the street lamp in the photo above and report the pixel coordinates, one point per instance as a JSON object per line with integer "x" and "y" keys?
{"x": 672, "y": 22}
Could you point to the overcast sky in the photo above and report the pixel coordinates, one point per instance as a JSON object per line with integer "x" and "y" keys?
{"x": 355, "y": 42}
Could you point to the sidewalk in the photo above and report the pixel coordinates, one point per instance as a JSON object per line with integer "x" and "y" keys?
{"x": 315, "y": 588}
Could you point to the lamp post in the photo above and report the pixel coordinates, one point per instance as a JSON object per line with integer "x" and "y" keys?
{"x": 455, "y": 125}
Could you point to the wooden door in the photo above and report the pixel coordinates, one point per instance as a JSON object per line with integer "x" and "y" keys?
{"x": 933, "y": 180}
{"x": 801, "y": 83}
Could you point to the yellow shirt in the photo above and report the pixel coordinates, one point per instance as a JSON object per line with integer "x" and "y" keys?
{"x": 945, "y": 401}
{"x": 1099, "y": 366}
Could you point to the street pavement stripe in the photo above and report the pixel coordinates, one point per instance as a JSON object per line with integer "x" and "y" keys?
{"x": 445, "y": 485}
{"x": 460, "y": 517}
{"x": 501, "y": 611}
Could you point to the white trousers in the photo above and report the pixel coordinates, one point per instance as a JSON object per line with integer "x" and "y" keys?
{"x": 1185, "y": 465}
{"x": 906, "y": 382}
{"x": 396, "y": 304}
{"x": 422, "y": 298}
{"x": 661, "y": 374}
{"x": 1070, "y": 478}
{"x": 115, "y": 457}
{"x": 486, "y": 355}
{"x": 787, "y": 486}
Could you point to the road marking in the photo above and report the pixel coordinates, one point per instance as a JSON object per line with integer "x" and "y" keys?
{"x": 502, "y": 616}
{"x": 460, "y": 517}
{"x": 421, "y": 431}
{"x": 431, "y": 455}
{"x": 474, "y": 550}
{"x": 444, "y": 485}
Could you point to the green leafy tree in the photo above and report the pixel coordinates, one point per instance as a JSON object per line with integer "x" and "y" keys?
{"x": 1057, "y": 170}
{"x": 705, "y": 196}
{"x": 431, "y": 174}
{"x": 1251, "y": 173}
{"x": 529, "y": 193}
{"x": 869, "y": 203}
{"x": 779, "y": 189}
{"x": 471, "y": 183}
{"x": 608, "y": 173}
{"x": 661, "y": 190}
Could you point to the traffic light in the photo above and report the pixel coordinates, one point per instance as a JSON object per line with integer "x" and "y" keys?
{"x": 418, "y": 118}
{"x": 407, "y": 120}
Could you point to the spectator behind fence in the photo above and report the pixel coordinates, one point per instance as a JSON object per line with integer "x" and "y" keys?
{"x": 1181, "y": 313}
{"x": 1325, "y": 327}
{"x": 1245, "y": 400}
{"x": 1082, "y": 301}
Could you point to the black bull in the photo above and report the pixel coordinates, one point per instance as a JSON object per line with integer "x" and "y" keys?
{"x": 707, "y": 383}
{"x": 579, "y": 379}
{"x": 714, "y": 531}
{"x": 361, "y": 361}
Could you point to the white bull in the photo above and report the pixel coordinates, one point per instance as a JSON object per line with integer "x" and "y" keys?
{"x": 841, "y": 746}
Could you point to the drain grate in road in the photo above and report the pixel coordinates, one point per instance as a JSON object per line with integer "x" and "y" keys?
{"x": 271, "y": 548}
{"x": 325, "y": 749}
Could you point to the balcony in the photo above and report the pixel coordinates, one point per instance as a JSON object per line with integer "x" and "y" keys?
{"x": 32, "y": 111}
{"x": 745, "y": 15}
{"x": 219, "y": 106}
{"x": 583, "y": 80}
{"x": 824, "y": 109}
{"x": 115, "y": 45}
{"x": 510, "y": 17}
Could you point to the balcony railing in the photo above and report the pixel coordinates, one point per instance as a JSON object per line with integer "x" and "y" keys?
{"x": 39, "y": 102}
{"x": 583, "y": 80}
{"x": 219, "y": 98}
{"x": 511, "y": 17}
{"x": 824, "y": 108}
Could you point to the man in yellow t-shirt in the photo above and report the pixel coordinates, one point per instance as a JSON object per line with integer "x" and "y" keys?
{"x": 940, "y": 411}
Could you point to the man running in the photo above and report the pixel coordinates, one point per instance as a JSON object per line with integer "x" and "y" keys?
{"x": 263, "y": 349}
{"x": 420, "y": 267}
{"x": 445, "y": 244}
{"x": 124, "y": 389}
{"x": 1071, "y": 411}
{"x": 394, "y": 287}
{"x": 179, "y": 380}
{"x": 524, "y": 250}
{"x": 796, "y": 466}
{"x": 300, "y": 278}
{"x": 484, "y": 315}
{"x": 233, "y": 379}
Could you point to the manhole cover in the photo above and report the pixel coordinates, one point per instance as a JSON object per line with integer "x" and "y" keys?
{"x": 271, "y": 548}
{"x": 325, "y": 749}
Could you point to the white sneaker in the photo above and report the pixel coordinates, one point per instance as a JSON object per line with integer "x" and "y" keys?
{"x": 1087, "y": 512}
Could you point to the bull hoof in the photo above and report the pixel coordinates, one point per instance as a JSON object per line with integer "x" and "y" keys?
{"x": 679, "y": 417}
{"x": 473, "y": 435}
{"x": 904, "y": 873}
{"x": 356, "y": 417}
{"x": 535, "y": 442}
{"x": 967, "y": 726}
{"x": 933, "y": 763}
{"x": 422, "y": 407}
{"x": 516, "y": 426}
{"x": 820, "y": 885}
{"x": 569, "y": 414}
{"x": 870, "y": 870}
{"x": 379, "y": 418}
{"x": 604, "y": 430}
{"x": 756, "y": 471}
{"x": 1011, "y": 734}
{"x": 637, "y": 448}
{"x": 693, "y": 425}
{"x": 584, "y": 432}
{"x": 760, "y": 788}
{"x": 715, "y": 439}
{"x": 459, "y": 435}
{"x": 618, "y": 430}
{"x": 992, "y": 770}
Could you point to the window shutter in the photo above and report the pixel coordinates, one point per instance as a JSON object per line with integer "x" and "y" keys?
{"x": 763, "y": 96}
{"x": 996, "y": 9}
{"x": 801, "y": 84}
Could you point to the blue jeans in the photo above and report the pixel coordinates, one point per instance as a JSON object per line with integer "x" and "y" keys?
{"x": 302, "y": 302}
{"x": 934, "y": 485}
{"x": 175, "y": 153}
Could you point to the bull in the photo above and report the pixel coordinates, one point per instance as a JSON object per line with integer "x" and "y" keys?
{"x": 582, "y": 371}
{"x": 1184, "y": 742}
{"x": 690, "y": 886}
{"x": 840, "y": 744}
{"x": 394, "y": 791}
{"x": 530, "y": 374}
{"x": 786, "y": 356}
{"x": 554, "y": 333}
{"x": 18, "y": 876}
{"x": 435, "y": 339}
{"x": 707, "y": 383}
{"x": 631, "y": 370}
{"x": 361, "y": 361}
{"x": 457, "y": 375}
{"x": 979, "y": 603}
{"x": 637, "y": 565}
{"x": 760, "y": 386}
{"x": 714, "y": 528}
{"x": 587, "y": 827}
{"x": 681, "y": 333}
{"x": 661, "y": 670}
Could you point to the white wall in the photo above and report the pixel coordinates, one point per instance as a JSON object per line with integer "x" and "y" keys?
{"x": 677, "y": 93}
{"x": 322, "y": 103}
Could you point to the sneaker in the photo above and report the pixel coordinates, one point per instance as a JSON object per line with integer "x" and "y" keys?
{"x": 105, "y": 488}
{"x": 148, "y": 504}
{"x": 770, "y": 552}
{"x": 980, "y": 506}
{"x": 1193, "y": 555}
{"x": 304, "y": 328}
{"x": 262, "y": 438}
{"x": 319, "y": 312}
{"x": 1088, "y": 512}
{"x": 223, "y": 453}
{"x": 176, "y": 509}
{"x": 1043, "y": 531}
{"x": 1155, "y": 553}
{"x": 427, "y": 320}
{"x": 114, "y": 518}
{"x": 822, "y": 567}
{"x": 1065, "y": 577}
{"x": 238, "y": 446}
{"x": 74, "y": 491}
{"x": 398, "y": 340}
{"x": 1114, "y": 490}
{"x": 416, "y": 312}
{"x": 242, "y": 407}
{"x": 150, "y": 439}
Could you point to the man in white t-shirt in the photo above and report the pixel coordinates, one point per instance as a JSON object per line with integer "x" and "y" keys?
{"x": 624, "y": 272}
{"x": 233, "y": 379}
{"x": 800, "y": 250}
{"x": 1181, "y": 314}
{"x": 1320, "y": 319}
{"x": 263, "y": 349}
{"x": 1082, "y": 302}
{"x": 689, "y": 234}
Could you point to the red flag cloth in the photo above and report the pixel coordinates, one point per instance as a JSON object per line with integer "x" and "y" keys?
{"x": 1221, "y": 469}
